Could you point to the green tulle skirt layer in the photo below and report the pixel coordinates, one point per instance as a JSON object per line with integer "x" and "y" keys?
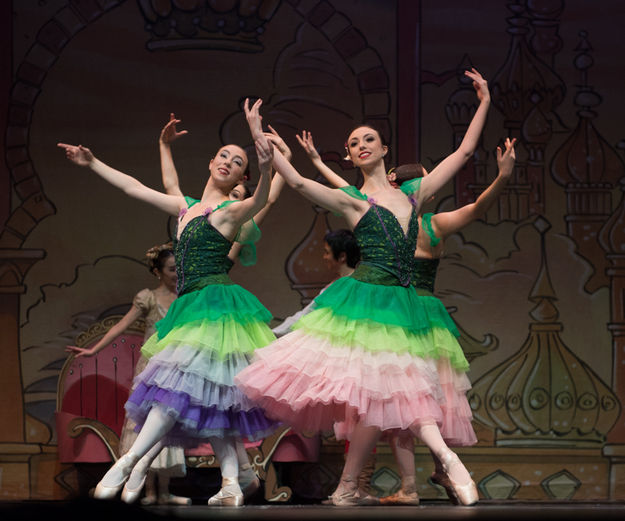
{"x": 375, "y": 337}
{"x": 220, "y": 318}
{"x": 391, "y": 305}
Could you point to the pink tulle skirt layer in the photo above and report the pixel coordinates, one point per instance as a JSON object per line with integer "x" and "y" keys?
{"x": 314, "y": 384}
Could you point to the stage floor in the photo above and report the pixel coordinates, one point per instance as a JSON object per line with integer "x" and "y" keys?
{"x": 92, "y": 510}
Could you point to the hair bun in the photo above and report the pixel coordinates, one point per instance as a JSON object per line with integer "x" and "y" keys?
{"x": 156, "y": 254}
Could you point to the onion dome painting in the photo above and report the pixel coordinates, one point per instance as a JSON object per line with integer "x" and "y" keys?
{"x": 544, "y": 395}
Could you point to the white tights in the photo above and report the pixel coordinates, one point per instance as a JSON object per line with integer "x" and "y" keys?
{"x": 148, "y": 443}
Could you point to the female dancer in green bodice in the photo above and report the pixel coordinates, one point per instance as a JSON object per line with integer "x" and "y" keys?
{"x": 362, "y": 357}
{"x": 186, "y": 394}
{"x": 433, "y": 229}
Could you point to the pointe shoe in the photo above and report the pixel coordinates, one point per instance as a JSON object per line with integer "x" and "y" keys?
{"x": 401, "y": 498}
{"x": 352, "y": 499}
{"x": 126, "y": 464}
{"x": 441, "y": 479}
{"x": 130, "y": 495}
{"x": 464, "y": 494}
{"x": 230, "y": 494}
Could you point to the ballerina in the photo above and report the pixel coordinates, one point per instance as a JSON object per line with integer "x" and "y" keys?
{"x": 242, "y": 250}
{"x": 186, "y": 393}
{"x": 433, "y": 229}
{"x": 361, "y": 362}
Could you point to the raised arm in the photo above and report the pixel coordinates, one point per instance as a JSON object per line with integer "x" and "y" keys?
{"x": 275, "y": 188}
{"x": 277, "y": 182}
{"x": 169, "y": 134}
{"x": 239, "y": 213}
{"x": 306, "y": 141}
{"x": 82, "y": 156}
{"x": 133, "y": 314}
{"x": 446, "y": 223}
{"x": 447, "y": 168}
{"x": 334, "y": 200}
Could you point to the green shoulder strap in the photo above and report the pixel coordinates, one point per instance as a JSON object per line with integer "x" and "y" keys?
{"x": 190, "y": 201}
{"x": 248, "y": 235}
{"x": 352, "y": 191}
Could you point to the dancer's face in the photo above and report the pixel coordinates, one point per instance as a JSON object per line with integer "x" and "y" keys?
{"x": 228, "y": 165}
{"x": 330, "y": 261}
{"x": 168, "y": 275}
{"x": 238, "y": 193}
{"x": 364, "y": 147}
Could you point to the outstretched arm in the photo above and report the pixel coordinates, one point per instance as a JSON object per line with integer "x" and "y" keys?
{"x": 446, "y": 223}
{"x": 275, "y": 188}
{"x": 333, "y": 200}
{"x": 277, "y": 182}
{"x": 248, "y": 208}
{"x": 331, "y": 176}
{"x": 82, "y": 156}
{"x": 241, "y": 212}
{"x": 133, "y": 314}
{"x": 445, "y": 170}
{"x": 169, "y": 134}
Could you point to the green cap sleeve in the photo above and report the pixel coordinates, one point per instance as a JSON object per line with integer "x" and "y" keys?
{"x": 248, "y": 236}
{"x": 412, "y": 186}
{"x": 426, "y": 221}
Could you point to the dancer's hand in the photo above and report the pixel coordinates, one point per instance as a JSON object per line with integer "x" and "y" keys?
{"x": 479, "y": 84}
{"x": 170, "y": 133}
{"x": 275, "y": 138}
{"x": 254, "y": 119}
{"x": 79, "y": 155}
{"x": 306, "y": 141}
{"x": 505, "y": 160}
{"x": 264, "y": 150}
{"x": 79, "y": 351}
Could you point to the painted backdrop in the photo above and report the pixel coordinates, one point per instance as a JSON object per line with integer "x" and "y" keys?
{"x": 537, "y": 287}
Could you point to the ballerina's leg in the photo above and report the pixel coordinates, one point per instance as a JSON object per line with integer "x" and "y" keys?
{"x": 458, "y": 483}
{"x": 230, "y": 493}
{"x": 361, "y": 444}
{"x": 157, "y": 424}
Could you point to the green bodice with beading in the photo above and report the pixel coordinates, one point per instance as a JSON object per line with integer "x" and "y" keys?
{"x": 425, "y": 269}
{"x": 201, "y": 255}
{"x": 424, "y": 274}
{"x": 387, "y": 253}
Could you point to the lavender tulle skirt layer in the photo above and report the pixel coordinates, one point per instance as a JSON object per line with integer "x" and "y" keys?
{"x": 190, "y": 376}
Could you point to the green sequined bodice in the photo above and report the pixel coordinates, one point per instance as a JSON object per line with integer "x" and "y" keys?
{"x": 424, "y": 274}
{"x": 201, "y": 256}
{"x": 425, "y": 269}
{"x": 387, "y": 253}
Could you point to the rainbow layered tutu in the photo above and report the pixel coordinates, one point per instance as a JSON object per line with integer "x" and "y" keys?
{"x": 381, "y": 355}
{"x": 206, "y": 338}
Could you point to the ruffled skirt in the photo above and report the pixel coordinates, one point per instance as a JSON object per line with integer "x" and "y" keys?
{"x": 206, "y": 338}
{"x": 380, "y": 355}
